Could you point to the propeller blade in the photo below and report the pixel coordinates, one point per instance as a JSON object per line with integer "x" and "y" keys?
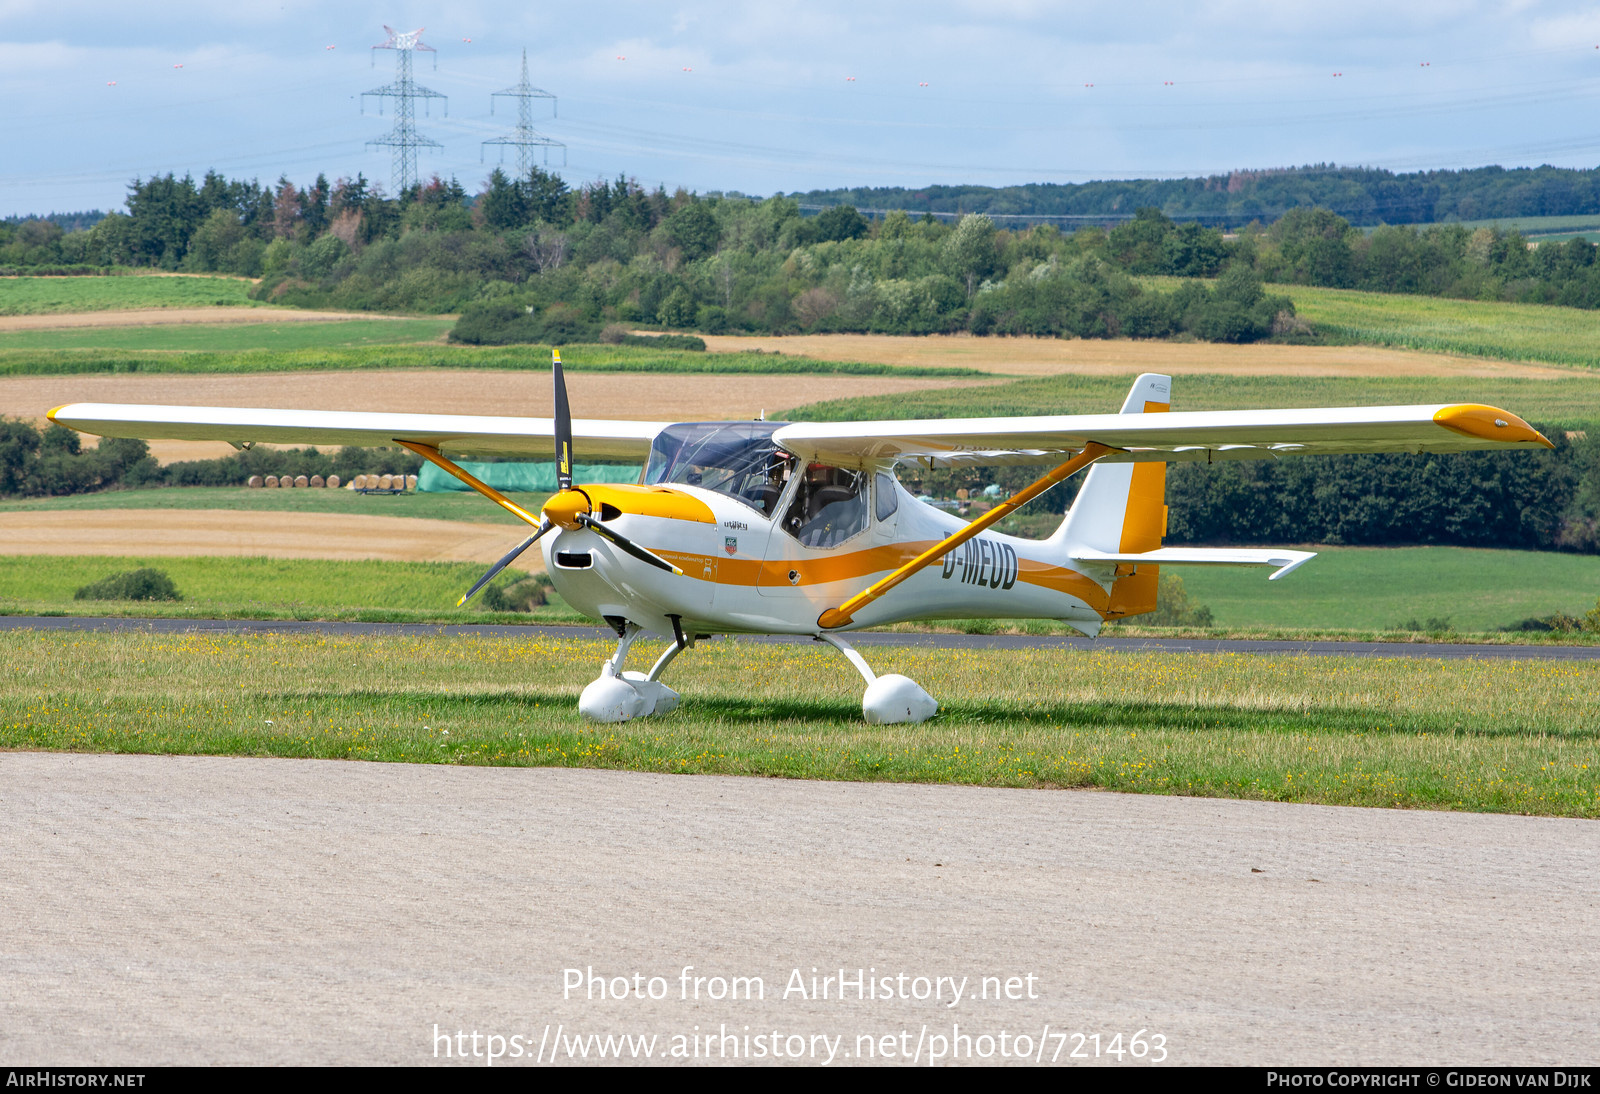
{"x": 627, "y": 544}
{"x": 563, "y": 425}
{"x": 544, "y": 527}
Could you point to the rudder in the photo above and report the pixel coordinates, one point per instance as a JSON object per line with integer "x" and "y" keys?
{"x": 1122, "y": 509}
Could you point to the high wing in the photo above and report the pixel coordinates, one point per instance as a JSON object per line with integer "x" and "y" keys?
{"x": 458, "y": 434}
{"x": 1166, "y": 437}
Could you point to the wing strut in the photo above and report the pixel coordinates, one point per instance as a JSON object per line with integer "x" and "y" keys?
{"x": 844, "y": 613}
{"x": 433, "y": 456}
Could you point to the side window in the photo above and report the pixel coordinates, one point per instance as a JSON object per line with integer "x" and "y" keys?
{"x": 886, "y": 499}
{"x": 829, "y": 507}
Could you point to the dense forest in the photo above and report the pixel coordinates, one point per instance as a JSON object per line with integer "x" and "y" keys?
{"x": 1362, "y": 195}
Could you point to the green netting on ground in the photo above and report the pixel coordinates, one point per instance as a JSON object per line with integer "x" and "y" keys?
{"x": 530, "y": 478}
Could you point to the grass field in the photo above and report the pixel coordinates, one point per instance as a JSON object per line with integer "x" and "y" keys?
{"x": 1570, "y": 403}
{"x": 1344, "y": 592}
{"x": 289, "y": 336}
{"x": 1513, "y": 332}
{"x": 266, "y": 588}
{"x": 1502, "y": 737}
{"x": 1525, "y": 225}
{"x": 441, "y": 506}
{"x": 1382, "y": 589}
{"x": 580, "y": 358}
{"x": 47, "y": 295}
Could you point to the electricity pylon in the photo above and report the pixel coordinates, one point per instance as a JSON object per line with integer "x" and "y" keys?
{"x": 404, "y": 138}
{"x": 525, "y": 138}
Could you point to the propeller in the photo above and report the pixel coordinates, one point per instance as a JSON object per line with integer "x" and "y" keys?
{"x": 570, "y": 507}
{"x": 544, "y": 526}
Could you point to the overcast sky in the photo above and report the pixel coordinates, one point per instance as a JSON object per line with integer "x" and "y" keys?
{"x": 767, "y": 97}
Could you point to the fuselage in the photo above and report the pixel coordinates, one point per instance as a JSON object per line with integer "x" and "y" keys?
{"x": 745, "y": 571}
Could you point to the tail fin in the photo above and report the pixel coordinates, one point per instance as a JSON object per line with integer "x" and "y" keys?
{"x": 1122, "y": 509}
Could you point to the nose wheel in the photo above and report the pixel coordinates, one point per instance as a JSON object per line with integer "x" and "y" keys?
{"x": 890, "y": 699}
{"x": 618, "y": 696}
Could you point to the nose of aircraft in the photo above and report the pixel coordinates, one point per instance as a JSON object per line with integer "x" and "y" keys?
{"x": 567, "y": 507}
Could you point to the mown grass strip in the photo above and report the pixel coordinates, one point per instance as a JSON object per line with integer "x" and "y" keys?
{"x": 1495, "y": 737}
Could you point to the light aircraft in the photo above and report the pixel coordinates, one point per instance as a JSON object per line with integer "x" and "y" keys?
{"x": 765, "y": 527}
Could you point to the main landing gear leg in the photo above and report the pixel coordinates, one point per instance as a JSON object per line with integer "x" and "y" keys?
{"x": 618, "y": 696}
{"x": 889, "y": 699}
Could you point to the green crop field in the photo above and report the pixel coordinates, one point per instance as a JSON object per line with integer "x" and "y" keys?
{"x": 1466, "y": 734}
{"x": 580, "y": 358}
{"x": 1569, "y": 402}
{"x": 266, "y": 588}
{"x": 1377, "y": 589}
{"x": 1529, "y": 226}
{"x": 46, "y": 295}
{"x": 1477, "y": 328}
{"x": 440, "y": 506}
{"x": 291, "y": 335}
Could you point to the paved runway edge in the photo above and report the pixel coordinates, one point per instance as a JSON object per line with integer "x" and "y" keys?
{"x": 1265, "y": 647}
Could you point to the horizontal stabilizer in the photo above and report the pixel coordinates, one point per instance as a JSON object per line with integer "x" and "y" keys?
{"x": 1205, "y": 556}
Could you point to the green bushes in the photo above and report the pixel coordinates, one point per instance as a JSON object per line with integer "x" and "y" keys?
{"x": 500, "y": 323}
{"x": 145, "y": 584}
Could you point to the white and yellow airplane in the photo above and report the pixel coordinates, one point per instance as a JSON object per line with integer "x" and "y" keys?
{"x": 758, "y": 527}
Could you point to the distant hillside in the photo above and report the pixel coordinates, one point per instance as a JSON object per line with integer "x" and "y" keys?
{"x": 67, "y": 222}
{"x": 1360, "y": 195}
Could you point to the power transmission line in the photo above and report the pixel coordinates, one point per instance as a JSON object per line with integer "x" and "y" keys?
{"x": 404, "y": 138}
{"x": 525, "y": 138}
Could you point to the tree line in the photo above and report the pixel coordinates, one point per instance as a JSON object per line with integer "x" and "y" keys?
{"x": 1359, "y": 194}
{"x": 54, "y": 463}
{"x": 532, "y": 259}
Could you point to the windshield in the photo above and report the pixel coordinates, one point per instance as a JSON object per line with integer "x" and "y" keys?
{"x": 738, "y": 459}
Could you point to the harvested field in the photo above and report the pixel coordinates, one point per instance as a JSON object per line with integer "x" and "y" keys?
{"x": 1053, "y": 356}
{"x": 166, "y": 317}
{"x": 636, "y": 396}
{"x": 268, "y": 535}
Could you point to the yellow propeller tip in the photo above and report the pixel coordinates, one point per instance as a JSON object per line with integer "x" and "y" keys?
{"x": 460, "y": 602}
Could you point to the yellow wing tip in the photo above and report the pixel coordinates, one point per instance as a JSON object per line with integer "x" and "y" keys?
{"x": 1490, "y": 424}
{"x": 51, "y": 413}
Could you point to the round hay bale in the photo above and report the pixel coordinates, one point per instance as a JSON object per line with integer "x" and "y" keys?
{"x": 333, "y": 482}
{"x": 272, "y": 482}
{"x": 318, "y": 481}
{"x": 285, "y": 482}
{"x": 359, "y": 482}
{"x": 386, "y": 482}
{"x": 255, "y": 482}
{"x": 411, "y": 482}
{"x": 301, "y": 481}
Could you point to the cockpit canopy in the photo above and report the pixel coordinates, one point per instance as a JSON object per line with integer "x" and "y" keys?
{"x": 738, "y": 459}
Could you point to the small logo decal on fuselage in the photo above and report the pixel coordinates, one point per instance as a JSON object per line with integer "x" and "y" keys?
{"x": 983, "y": 562}
{"x": 731, "y": 544}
